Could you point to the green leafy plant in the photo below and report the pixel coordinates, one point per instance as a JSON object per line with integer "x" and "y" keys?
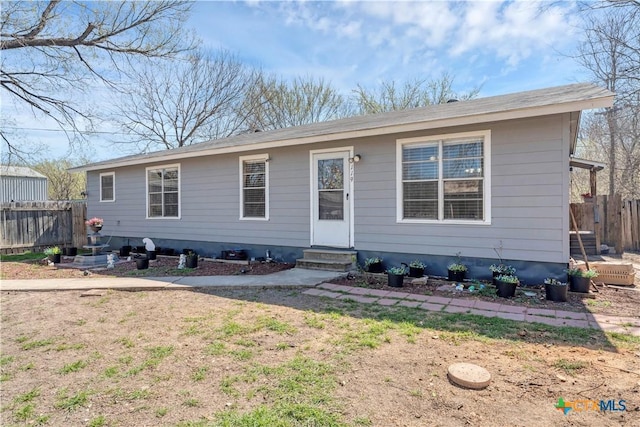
{"x": 506, "y": 278}
{"x": 417, "y": 264}
{"x": 372, "y": 260}
{"x": 577, "y": 272}
{"x": 551, "y": 281}
{"x": 399, "y": 271}
{"x": 456, "y": 267}
{"x": 502, "y": 269}
{"x": 54, "y": 250}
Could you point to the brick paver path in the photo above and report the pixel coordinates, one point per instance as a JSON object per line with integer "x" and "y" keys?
{"x": 625, "y": 325}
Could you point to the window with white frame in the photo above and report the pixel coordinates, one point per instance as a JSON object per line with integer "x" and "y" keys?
{"x": 107, "y": 187}
{"x": 163, "y": 192}
{"x": 254, "y": 187}
{"x": 443, "y": 178}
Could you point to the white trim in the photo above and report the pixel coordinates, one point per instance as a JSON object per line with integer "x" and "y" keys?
{"x": 600, "y": 101}
{"x": 146, "y": 190}
{"x": 241, "y": 160}
{"x": 113, "y": 174}
{"x": 486, "y": 179}
{"x": 351, "y": 181}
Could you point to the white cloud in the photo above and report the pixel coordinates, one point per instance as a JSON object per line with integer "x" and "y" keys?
{"x": 512, "y": 31}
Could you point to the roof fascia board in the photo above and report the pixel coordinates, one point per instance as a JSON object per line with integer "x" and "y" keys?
{"x": 601, "y": 102}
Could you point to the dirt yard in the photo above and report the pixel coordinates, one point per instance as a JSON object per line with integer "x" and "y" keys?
{"x": 279, "y": 358}
{"x": 162, "y": 266}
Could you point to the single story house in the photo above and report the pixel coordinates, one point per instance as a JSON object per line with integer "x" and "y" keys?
{"x": 22, "y": 184}
{"x": 482, "y": 178}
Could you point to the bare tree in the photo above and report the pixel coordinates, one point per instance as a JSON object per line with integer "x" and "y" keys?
{"x": 52, "y": 50}
{"x": 277, "y": 103}
{"x": 413, "y": 94}
{"x": 611, "y": 53}
{"x": 177, "y": 103}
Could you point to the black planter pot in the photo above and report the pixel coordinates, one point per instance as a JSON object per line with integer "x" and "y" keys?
{"x": 186, "y": 251}
{"x": 580, "y": 284}
{"x": 151, "y": 254}
{"x": 557, "y": 293}
{"x": 140, "y": 249}
{"x": 376, "y": 267}
{"x": 70, "y": 251}
{"x": 416, "y": 271}
{"x": 192, "y": 261}
{"x": 55, "y": 258}
{"x": 142, "y": 263}
{"x": 456, "y": 276}
{"x": 395, "y": 280}
{"x": 493, "y": 280}
{"x": 505, "y": 289}
{"x": 125, "y": 250}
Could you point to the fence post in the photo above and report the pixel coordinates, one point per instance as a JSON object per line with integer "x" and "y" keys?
{"x": 78, "y": 214}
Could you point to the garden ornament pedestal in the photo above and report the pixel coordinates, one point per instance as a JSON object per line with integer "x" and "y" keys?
{"x": 97, "y": 258}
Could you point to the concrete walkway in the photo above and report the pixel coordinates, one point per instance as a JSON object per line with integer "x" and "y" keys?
{"x": 625, "y": 325}
{"x": 315, "y": 279}
{"x": 288, "y": 278}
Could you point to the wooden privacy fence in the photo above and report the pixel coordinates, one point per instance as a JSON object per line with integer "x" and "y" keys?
{"x": 615, "y": 221}
{"x": 35, "y": 225}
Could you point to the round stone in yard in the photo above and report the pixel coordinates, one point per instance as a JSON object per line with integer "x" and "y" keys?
{"x": 469, "y": 375}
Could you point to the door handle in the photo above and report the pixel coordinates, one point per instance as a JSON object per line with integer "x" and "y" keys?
{"x": 347, "y": 196}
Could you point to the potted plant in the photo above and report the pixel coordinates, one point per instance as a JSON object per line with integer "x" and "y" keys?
{"x": 373, "y": 265}
{"x": 395, "y": 276}
{"x": 192, "y": 260}
{"x": 506, "y": 285}
{"x": 416, "y": 268}
{"x": 125, "y": 250}
{"x": 95, "y": 224}
{"x": 555, "y": 290}
{"x": 580, "y": 280}
{"x": 456, "y": 271}
{"x": 54, "y": 253}
{"x": 501, "y": 269}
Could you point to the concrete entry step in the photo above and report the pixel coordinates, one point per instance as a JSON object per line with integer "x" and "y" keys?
{"x": 328, "y": 259}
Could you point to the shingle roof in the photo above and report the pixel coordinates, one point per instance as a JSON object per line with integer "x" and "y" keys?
{"x": 558, "y": 99}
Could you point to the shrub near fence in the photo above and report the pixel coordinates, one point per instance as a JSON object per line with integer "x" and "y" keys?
{"x": 35, "y": 225}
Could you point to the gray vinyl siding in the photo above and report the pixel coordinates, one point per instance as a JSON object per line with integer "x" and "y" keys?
{"x": 529, "y": 198}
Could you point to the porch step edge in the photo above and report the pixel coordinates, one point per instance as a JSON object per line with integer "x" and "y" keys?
{"x": 323, "y": 264}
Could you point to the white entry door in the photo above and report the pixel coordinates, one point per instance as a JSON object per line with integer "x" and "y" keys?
{"x": 332, "y": 201}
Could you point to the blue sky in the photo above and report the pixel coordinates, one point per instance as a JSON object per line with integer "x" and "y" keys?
{"x": 501, "y": 46}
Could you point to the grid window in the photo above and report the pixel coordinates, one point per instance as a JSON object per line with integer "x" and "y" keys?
{"x": 254, "y": 176}
{"x": 163, "y": 187}
{"x": 107, "y": 187}
{"x": 443, "y": 179}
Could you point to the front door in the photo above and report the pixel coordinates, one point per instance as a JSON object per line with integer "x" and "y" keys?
{"x": 331, "y": 186}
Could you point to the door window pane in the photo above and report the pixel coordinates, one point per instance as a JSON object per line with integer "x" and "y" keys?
{"x": 331, "y": 205}
{"x": 331, "y": 174}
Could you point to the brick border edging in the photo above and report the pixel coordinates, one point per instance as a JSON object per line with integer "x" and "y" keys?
{"x": 574, "y": 319}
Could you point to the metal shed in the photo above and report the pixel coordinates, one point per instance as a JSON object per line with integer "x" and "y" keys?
{"x": 18, "y": 184}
